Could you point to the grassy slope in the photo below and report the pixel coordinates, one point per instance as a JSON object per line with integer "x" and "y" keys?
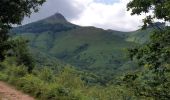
{"x": 139, "y": 36}
{"x": 87, "y": 48}
{"x": 142, "y": 36}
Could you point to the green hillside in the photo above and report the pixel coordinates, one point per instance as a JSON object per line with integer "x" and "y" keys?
{"x": 87, "y": 48}
{"x": 139, "y": 36}
{"x": 142, "y": 36}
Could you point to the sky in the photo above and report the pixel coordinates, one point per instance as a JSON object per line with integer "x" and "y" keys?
{"x": 106, "y": 14}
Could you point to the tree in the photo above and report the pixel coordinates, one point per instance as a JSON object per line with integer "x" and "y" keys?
{"x": 154, "y": 81}
{"x": 12, "y": 12}
{"x": 21, "y": 52}
{"x": 160, "y": 9}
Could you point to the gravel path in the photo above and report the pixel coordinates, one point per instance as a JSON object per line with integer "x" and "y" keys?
{"x": 9, "y": 93}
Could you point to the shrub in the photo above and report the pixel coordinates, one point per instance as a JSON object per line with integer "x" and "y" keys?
{"x": 47, "y": 75}
{"x": 32, "y": 85}
{"x": 15, "y": 72}
{"x": 61, "y": 93}
{"x": 3, "y": 77}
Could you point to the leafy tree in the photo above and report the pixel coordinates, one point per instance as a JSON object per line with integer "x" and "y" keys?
{"x": 154, "y": 81}
{"x": 160, "y": 9}
{"x": 22, "y": 54}
{"x": 13, "y": 12}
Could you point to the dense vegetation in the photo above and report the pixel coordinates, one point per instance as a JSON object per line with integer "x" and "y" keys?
{"x": 62, "y": 61}
{"x": 12, "y": 12}
{"x": 154, "y": 80}
{"x": 68, "y": 84}
{"x": 95, "y": 50}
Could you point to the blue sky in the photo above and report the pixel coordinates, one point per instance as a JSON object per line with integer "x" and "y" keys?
{"x": 106, "y": 1}
{"x": 106, "y": 14}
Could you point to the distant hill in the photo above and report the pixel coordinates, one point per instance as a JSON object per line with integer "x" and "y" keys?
{"x": 139, "y": 36}
{"x": 87, "y": 48}
{"x": 142, "y": 36}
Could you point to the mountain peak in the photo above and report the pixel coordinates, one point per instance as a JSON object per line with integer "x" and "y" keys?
{"x": 54, "y": 23}
{"x": 57, "y": 17}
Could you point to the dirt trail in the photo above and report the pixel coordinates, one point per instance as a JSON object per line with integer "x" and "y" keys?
{"x": 9, "y": 93}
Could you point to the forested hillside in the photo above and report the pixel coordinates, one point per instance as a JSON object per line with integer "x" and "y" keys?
{"x": 95, "y": 50}
{"x": 53, "y": 59}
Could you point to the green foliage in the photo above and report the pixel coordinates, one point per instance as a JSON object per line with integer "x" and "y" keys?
{"x": 161, "y": 9}
{"x": 155, "y": 57}
{"x": 10, "y": 69}
{"x": 154, "y": 54}
{"x": 22, "y": 54}
{"x": 13, "y": 12}
{"x": 3, "y": 77}
{"x": 69, "y": 78}
{"x": 17, "y": 71}
{"x": 153, "y": 81}
{"x": 66, "y": 85}
{"x": 46, "y": 74}
{"x": 32, "y": 85}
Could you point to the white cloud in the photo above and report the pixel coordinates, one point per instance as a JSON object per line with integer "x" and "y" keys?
{"x": 108, "y": 16}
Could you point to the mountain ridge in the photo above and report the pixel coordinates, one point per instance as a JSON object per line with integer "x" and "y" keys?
{"x": 87, "y": 48}
{"x": 56, "y": 22}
